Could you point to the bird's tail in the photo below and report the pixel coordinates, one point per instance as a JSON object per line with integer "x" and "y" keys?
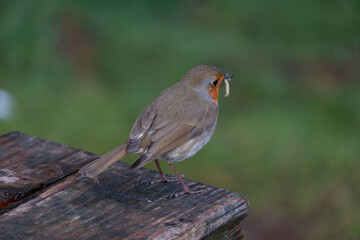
{"x": 99, "y": 165}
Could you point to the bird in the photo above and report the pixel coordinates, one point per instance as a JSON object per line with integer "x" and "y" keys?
{"x": 173, "y": 127}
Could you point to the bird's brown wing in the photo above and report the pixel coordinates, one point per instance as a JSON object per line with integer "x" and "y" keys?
{"x": 166, "y": 139}
{"x": 170, "y": 136}
{"x": 140, "y": 128}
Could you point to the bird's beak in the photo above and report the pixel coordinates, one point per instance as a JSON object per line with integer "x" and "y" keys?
{"x": 227, "y": 76}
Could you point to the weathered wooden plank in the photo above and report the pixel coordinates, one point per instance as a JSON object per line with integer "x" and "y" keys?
{"x": 123, "y": 206}
{"x": 28, "y": 164}
{"x": 120, "y": 208}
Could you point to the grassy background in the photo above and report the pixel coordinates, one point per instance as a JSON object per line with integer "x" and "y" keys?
{"x": 287, "y": 138}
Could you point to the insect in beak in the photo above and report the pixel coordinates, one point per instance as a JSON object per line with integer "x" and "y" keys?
{"x": 227, "y": 78}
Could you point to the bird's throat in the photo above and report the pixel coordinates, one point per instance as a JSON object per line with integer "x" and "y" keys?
{"x": 214, "y": 92}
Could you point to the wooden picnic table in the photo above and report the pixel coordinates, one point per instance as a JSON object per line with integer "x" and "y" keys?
{"x": 42, "y": 196}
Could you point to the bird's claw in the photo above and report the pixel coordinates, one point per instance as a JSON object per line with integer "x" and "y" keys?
{"x": 195, "y": 190}
{"x": 163, "y": 179}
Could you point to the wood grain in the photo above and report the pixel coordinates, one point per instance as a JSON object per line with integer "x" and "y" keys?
{"x": 28, "y": 164}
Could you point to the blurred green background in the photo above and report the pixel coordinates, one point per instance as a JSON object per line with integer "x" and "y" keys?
{"x": 288, "y": 136}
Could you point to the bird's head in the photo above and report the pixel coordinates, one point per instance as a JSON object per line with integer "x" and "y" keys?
{"x": 206, "y": 80}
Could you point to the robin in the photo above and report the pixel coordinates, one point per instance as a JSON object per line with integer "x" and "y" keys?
{"x": 175, "y": 126}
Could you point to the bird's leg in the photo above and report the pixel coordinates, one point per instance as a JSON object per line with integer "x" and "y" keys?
{"x": 164, "y": 178}
{"x": 185, "y": 190}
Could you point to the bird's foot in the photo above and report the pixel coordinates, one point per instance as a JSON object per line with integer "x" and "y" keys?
{"x": 186, "y": 190}
{"x": 166, "y": 179}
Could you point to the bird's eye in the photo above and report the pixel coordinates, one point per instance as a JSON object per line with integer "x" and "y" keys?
{"x": 215, "y": 82}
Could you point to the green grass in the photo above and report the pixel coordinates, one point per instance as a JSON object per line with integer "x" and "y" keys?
{"x": 288, "y": 134}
